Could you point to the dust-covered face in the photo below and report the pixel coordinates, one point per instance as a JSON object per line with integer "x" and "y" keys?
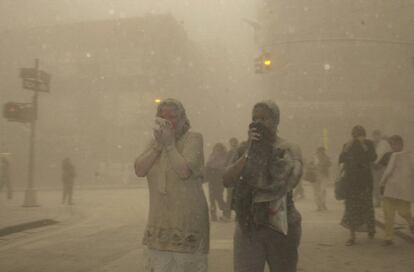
{"x": 170, "y": 113}
{"x": 264, "y": 115}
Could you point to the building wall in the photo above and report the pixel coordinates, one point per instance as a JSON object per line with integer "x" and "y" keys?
{"x": 105, "y": 77}
{"x": 345, "y": 62}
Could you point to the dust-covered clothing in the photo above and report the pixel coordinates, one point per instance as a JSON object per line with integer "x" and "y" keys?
{"x": 357, "y": 158}
{"x": 319, "y": 192}
{"x": 178, "y": 212}
{"x": 276, "y": 241}
{"x": 280, "y": 252}
{"x": 391, "y": 206}
{"x": 322, "y": 165}
{"x": 169, "y": 261}
{"x": 398, "y": 178}
{"x": 381, "y": 148}
{"x": 214, "y": 171}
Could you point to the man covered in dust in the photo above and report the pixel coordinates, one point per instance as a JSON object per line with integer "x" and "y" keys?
{"x": 263, "y": 175}
{"x": 381, "y": 148}
{"x": 177, "y": 231}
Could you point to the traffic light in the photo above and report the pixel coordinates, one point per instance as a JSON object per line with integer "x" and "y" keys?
{"x": 19, "y": 112}
{"x": 263, "y": 63}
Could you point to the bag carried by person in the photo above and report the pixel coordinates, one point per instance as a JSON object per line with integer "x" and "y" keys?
{"x": 340, "y": 184}
{"x": 278, "y": 215}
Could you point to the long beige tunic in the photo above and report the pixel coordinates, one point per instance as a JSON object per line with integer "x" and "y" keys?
{"x": 178, "y": 214}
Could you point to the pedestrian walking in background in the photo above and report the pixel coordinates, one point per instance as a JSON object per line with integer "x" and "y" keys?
{"x": 231, "y": 154}
{"x": 381, "y": 148}
{"x": 68, "y": 181}
{"x": 177, "y": 231}
{"x": 322, "y": 164}
{"x": 214, "y": 171}
{"x": 264, "y": 174}
{"x": 357, "y": 157}
{"x": 397, "y": 186}
{"x": 5, "y": 179}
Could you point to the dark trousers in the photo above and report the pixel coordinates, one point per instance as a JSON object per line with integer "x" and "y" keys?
{"x": 252, "y": 251}
{"x": 229, "y": 197}
{"x": 67, "y": 192}
{"x": 216, "y": 198}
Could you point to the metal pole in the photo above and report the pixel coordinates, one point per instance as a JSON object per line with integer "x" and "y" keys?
{"x": 30, "y": 199}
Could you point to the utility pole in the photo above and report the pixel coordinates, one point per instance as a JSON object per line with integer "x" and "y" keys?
{"x": 30, "y": 199}
{"x": 37, "y": 81}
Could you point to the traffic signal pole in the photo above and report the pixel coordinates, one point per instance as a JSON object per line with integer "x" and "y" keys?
{"x": 30, "y": 199}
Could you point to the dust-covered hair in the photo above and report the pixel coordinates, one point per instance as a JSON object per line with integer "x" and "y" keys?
{"x": 183, "y": 123}
{"x": 272, "y": 107}
{"x": 358, "y": 131}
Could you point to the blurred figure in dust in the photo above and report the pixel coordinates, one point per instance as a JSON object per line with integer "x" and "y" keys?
{"x": 177, "y": 231}
{"x": 5, "y": 180}
{"x": 357, "y": 156}
{"x": 214, "y": 171}
{"x": 381, "y": 148}
{"x": 397, "y": 186}
{"x": 231, "y": 154}
{"x": 68, "y": 180}
{"x": 322, "y": 164}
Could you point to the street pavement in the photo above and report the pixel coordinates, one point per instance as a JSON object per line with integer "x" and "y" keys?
{"x": 103, "y": 231}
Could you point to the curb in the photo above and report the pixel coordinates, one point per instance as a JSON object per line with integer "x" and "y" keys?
{"x": 26, "y": 226}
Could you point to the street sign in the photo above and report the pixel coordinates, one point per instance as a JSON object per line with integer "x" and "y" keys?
{"x": 35, "y": 80}
{"x": 19, "y": 112}
{"x": 35, "y": 85}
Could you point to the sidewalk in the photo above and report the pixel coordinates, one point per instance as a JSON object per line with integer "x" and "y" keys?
{"x": 323, "y": 239}
{"x": 12, "y": 212}
{"x": 14, "y": 215}
{"x": 401, "y": 228}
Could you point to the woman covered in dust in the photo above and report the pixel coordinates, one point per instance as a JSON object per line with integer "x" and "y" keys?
{"x": 177, "y": 231}
{"x": 357, "y": 156}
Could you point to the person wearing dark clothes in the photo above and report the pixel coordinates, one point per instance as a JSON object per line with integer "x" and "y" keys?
{"x": 68, "y": 179}
{"x": 263, "y": 175}
{"x": 357, "y": 157}
{"x": 214, "y": 171}
{"x": 5, "y": 177}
